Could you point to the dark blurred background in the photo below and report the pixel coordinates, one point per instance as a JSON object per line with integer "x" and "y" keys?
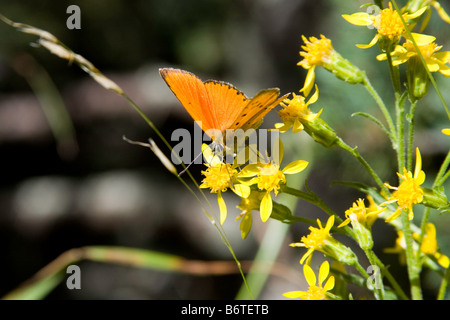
{"x": 69, "y": 180}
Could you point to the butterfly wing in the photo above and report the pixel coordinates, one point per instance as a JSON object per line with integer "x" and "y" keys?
{"x": 252, "y": 114}
{"x": 217, "y": 104}
{"x": 227, "y": 103}
{"x": 192, "y": 94}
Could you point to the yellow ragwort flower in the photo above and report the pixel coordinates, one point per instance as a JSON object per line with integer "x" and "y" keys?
{"x": 295, "y": 111}
{"x": 435, "y": 61}
{"x": 409, "y": 192}
{"x": 270, "y": 178}
{"x": 317, "y": 238}
{"x": 360, "y": 214}
{"x": 247, "y": 205}
{"x": 219, "y": 177}
{"x": 320, "y": 52}
{"x": 388, "y": 24}
{"x": 429, "y": 246}
{"x": 320, "y": 239}
{"x": 316, "y": 291}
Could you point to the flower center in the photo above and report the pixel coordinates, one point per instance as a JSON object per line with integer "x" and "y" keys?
{"x": 270, "y": 178}
{"x": 389, "y": 24}
{"x": 316, "y": 238}
{"x": 314, "y": 293}
{"x": 357, "y": 211}
{"x": 409, "y": 192}
{"x": 317, "y": 51}
{"x": 293, "y": 108}
{"x": 218, "y": 177}
{"x": 426, "y": 50}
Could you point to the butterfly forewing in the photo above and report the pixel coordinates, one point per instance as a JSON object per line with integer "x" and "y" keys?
{"x": 192, "y": 93}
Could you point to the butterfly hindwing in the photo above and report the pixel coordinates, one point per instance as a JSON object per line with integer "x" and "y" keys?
{"x": 227, "y": 103}
{"x": 253, "y": 113}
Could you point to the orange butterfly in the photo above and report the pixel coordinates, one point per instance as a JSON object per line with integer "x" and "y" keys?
{"x": 219, "y": 105}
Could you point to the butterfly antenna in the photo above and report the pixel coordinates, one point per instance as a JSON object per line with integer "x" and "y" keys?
{"x": 187, "y": 167}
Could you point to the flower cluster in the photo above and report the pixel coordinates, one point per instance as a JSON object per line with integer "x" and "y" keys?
{"x": 258, "y": 184}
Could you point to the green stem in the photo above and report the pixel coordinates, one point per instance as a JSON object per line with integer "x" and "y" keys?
{"x": 400, "y": 148}
{"x": 441, "y": 175}
{"x": 400, "y": 293}
{"x": 412, "y": 122}
{"x": 444, "y": 284}
{"x": 395, "y": 76}
{"x": 382, "y": 107}
{"x": 311, "y": 197}
{"x": 411, "y": 261}
{"x": 424, "y": 222}
{"x": 355, "y": 153}
{"x": 378, "y": 286}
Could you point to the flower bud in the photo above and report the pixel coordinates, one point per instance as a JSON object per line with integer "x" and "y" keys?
{"x": 417, "y": 78}
{"x": 338, "y": 251}
{"x": 435, "y": 199}
{"x": 321, "y": 132}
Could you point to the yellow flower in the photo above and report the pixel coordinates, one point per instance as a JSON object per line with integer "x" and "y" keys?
{"x": 436, "y": 61}
{"x": 247, "y": 205}
{"x": 219, "y": 177}
{"x": 270, "y": 178}
{"x": 400, "y": 247}
{"x": 446, "y": 131}
{"x": 362, "y": 219}
{"x": 409, "y": 192}
{"x": 358, "y": 213}
{"x": 295, "y": 111}
{"x": 320, "y": 239}
{"x": 316, "y": 291}
{"x": 429, "y": 246}
{"x": 388, "y": 24}
{"x": 317, "y": 238}
{"x": 320, "y": 52}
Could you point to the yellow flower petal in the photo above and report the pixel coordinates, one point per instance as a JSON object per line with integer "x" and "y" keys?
{"x": 298, "y": 126}
{"x": 295, "y": 167}
{"x": 293, "y": 294}
{"x": 265, "y": 208}
{"x": 422, "y": 39}
{"x": 444, "y": 16}
{"x": 371, "y": 44}
{"x": 418, "y": 168}
{"x": 209, "y": 156}
{"x": 246, "y": 225}
{"x": 314, "y": 97}
{"x": 249, "y": 170}
{"x": 329, "y": 284}
{"x": 443, "y": 56}
{"x": 242, "y": 190}
{"x": 416, "y": 14}
{"x": 359, "y": 18}
{"x": 309, "y": 275}
{"x": 324, "y": 271}
{"x": 222, "y": 207}
{"x": 446, "y": 131}
{"x": 309, "y": 81}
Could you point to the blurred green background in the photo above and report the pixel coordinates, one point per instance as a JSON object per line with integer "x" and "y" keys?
{"x": 69, "y": 180}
